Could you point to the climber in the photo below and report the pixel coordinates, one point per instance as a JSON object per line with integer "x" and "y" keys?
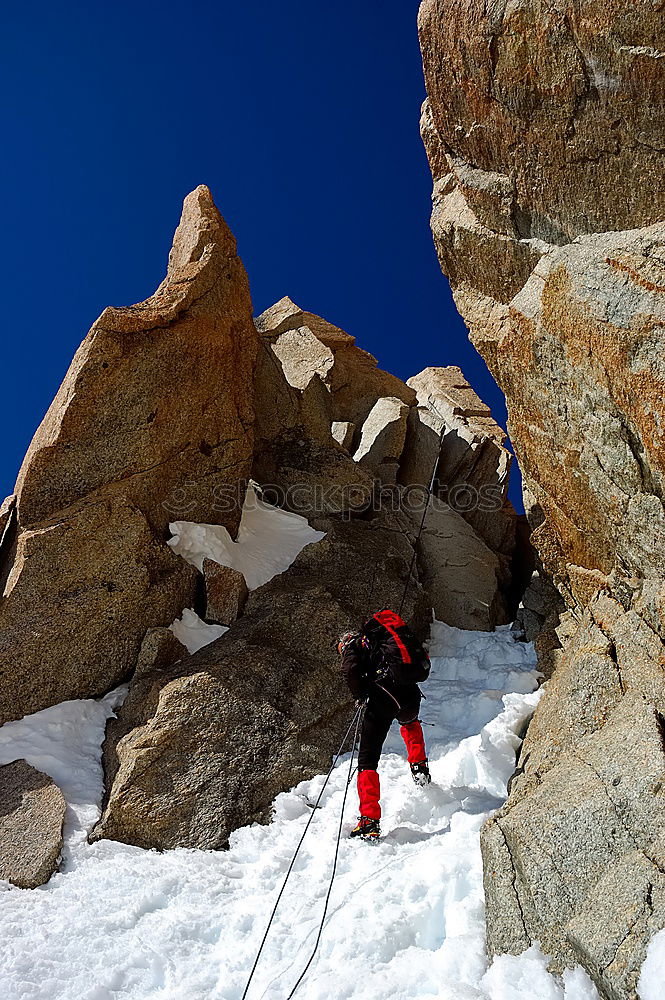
{"x": 382, "y": 664}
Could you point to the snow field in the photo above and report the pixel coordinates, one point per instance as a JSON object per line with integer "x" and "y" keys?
{"x": 65, "y": 743}
{"x": 406, "y": 916}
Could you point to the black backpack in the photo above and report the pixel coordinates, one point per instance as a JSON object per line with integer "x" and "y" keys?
{"x": 394, "y": 652}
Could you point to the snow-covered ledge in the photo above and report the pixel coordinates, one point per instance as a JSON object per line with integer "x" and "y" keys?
{"x": 269, "y": 539}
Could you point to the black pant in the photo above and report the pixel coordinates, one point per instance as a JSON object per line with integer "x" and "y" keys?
{"x": 385, "y": 703}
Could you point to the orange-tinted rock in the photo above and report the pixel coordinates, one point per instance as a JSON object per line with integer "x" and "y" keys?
{"x": 153, "y": 419}
{"x": 545, "y": 127}
{"x": 226, "y": 592}
{"x": 551, "y": 114}
{"x": 156, "y": 404}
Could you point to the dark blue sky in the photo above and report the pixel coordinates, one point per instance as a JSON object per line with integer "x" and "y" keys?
{"x": 303, "y": 120}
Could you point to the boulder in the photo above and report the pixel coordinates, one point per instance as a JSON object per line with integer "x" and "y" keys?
{"x": 153, "y": 421}
{"x": 204, "y": 747}
{"x": 356, "y": 383}
{"x": 295, "y": 455}
{"x": 302, "y": 356}
{"x": 285, "y": 315}
{"x": 32, "y": 813}
{"x": 226, "y": 592}
{"x": 382, "y": 438}
{"x": 351, "y": 375}
{"x": 278, "y": 407}
{"x": 343, "y": 432}
{"x": 312, "y": 479}
{"x": 422, "y": 446}
{"x": 473, "y": 468}
{"x": 76, "y": 603}
{"x": 159, "y": 649}
{"x": 539, "y": 612}
{"x": 459, "y": 572}
{"x": 316, "y": 412}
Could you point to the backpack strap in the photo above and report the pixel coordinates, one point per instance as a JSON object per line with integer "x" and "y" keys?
{"x": 391, "y": 622}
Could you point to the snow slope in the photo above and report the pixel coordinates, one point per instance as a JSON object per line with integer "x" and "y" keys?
{"x": 405, "y": 917}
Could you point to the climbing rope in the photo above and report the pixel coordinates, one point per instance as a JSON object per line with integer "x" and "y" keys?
{"x": 354, "y": 722}
{"x": 371, "y": 587}
{"x": 359, "y": 714}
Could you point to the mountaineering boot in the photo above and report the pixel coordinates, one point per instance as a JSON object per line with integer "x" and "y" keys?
{"x": 367, "y": 829}
{"x": 420, "y": 773}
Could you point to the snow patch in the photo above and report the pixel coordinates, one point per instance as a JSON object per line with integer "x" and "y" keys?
{"x": 195, "y": 633}
{"x": 650, "y": 985}
{"x": 516, "y": 977}
{"x": 65, "y": 742}
{"x": 269, "y": 539}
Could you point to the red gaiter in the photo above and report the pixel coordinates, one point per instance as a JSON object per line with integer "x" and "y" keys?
{"x": 369, "y": 793}
{"x": 412, "y": 734}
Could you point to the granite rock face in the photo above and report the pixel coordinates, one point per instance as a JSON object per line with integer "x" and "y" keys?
{"x": 153, "y": 417}
{"x": 295, "y": 452}
{"x": 351, "y": 374}
{"x": 204, "y": 747}
{"x": 459, "y": 571}
{"x": 78, "y": 598}
{"x": 584, "y": 381}
{"x": 473, "y": 464}
{"x": 550, "y": 114}
{"x": 545, "y": 129}
{"x": 32, "y": 811}
{"x": 575, "y": 859}
{"x": 382, "y": 438}
{"x": 319, "y": 399}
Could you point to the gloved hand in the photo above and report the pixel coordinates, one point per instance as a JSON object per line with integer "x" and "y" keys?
{"x": 360, "y": 702}
{"x": 345, "y": 641}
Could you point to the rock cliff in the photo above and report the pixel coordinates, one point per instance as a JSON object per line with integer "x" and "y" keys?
{"x": 168, "y": 409}
{"x": 545, "y": 128}
{"x": 154, "y": 412}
